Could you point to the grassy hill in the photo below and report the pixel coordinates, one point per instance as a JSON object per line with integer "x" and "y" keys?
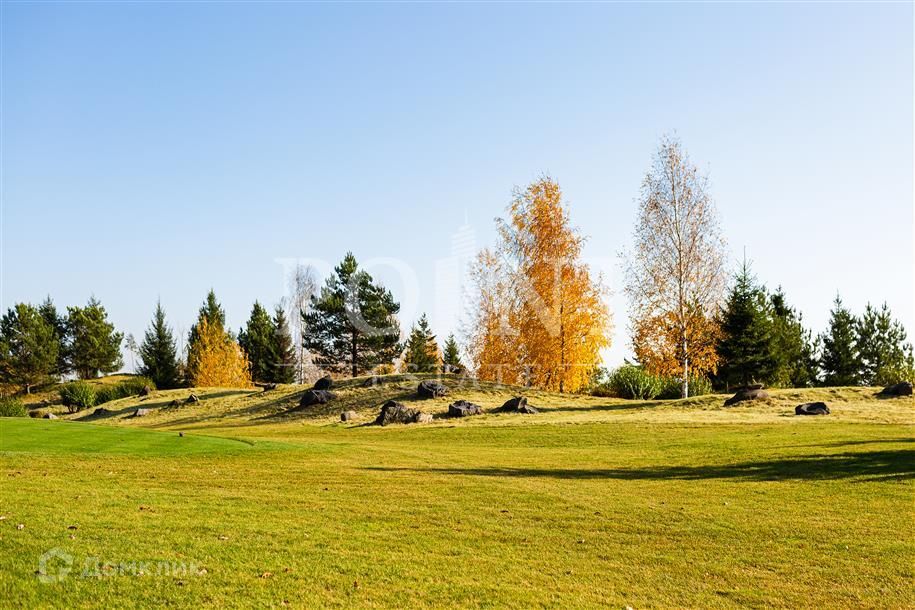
{"x": 592, "y": 502}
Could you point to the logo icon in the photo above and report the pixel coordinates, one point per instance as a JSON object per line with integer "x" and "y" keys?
{"x": 54, "y": 565}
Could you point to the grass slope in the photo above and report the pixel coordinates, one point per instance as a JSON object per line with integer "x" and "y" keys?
{"x": 594, "y": 502}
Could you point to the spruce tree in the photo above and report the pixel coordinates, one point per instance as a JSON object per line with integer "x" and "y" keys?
{"x": 58, "y": 323}
{"x": 352, "y": 324}
{"x": 421, "y": 353}
{"x": 796, "y": 364}
{"x": 95, "y": 347}
{"x": 840, "y": 359}
{"x": 451, "y": 356}
{"x": 28, "y": 347}
{"x": 159, "y": 354}
{"x": 746, "y": 344}
{"x": 885, "y": 355}
{"x": 214, "y": 314}
{"x": 284, "y": 367}
{"x": 257, "y": 340}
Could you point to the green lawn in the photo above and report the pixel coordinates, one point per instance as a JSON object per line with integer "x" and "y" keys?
{"x": 595, "y": 502}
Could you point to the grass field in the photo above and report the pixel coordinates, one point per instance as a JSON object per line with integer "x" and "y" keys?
{"x": 592, "y": 502}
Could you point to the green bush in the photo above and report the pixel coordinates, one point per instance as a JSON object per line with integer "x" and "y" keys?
{"x": 634, "y": 382}
{"x": 673, "y": 387}
{"x": 11, "y": 407}
{"x": 128, "y": 387}
{"x": 77, "y": 395}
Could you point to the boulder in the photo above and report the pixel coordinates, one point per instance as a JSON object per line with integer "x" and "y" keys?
{"x": 175, "y": 403}
{"x": 145, "y": 390}
{"x": 269, "y": 387}
{"x": 316, "y": 397}
{"x": 371, "y": 382}
{"x": 102, "y": 412}
{"x": 393, "y": 412}
{"x": 348, "y": 416}
{"x": 49, "y": 416}
{"x": 812, "y": 408}
{"x": 518, "y": 404}
{"x": 746, "y": 394}
{"x": 462, "y": 408}
{"x": 903, "y": 388}
{"x": 431, "y": 389}
{"x": 191, "y": 399}
{"x": 424, "y": 418}
{"x": 141, "y": 412}
{"x": 324, "y": 383}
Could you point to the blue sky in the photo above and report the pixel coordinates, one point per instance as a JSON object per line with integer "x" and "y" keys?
{"x": 153, "y": 150}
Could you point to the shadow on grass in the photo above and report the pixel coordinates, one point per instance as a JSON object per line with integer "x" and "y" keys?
{"x": 873, "y": 465}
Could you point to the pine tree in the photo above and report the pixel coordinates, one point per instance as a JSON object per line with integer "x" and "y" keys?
{"x": 28, "y": 347}
{"x": 95, "y": 347}
{"x": 213, "y": 312}
{"x": 746, "y": 344}
{"x": 159, "y": 354}
{"x": 421, "y": 352}
{"x": 884, "y": 354}
{"x": 284, "y": 349}
{"x": 840, "y": 360}
{"x": 352, "y": 324}
{"x": 796, "y": 364}
{"x": 257, "y": 341}
{"x": 58, "y": 323}
{"x": 451, "y": 356}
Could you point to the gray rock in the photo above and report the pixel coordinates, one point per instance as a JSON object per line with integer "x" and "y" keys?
{"x": 269, "y": 387}
{"x": 49, "y": 416}
{"x": 424, "y": 418}
{"x": 431, "y": 389}
{"x": 348, "y": 416}
{"x": 316, "y": 397}
{"x": 101, "y": 412}
{"x": 462, "y": 408}
{"x": 371, "y": 382}
{"x": 903, "y": 388}
{"x": 324, "y": 383}
{"x": 393, "y": 412}
{"x": 812, "y": 408}
{"x": 746, "y": 394}
{"x": 175, "y": 403}
{"x": 145, "y": 390}
{"x": 518, "y": 404}
{"x": 192, "y": 398}
{"x": 141, "y": 412}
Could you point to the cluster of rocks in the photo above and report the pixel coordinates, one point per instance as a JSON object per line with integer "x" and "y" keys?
{"x": 319, "y": 394}
{"x": 463, "y": 408}
{"x": 750, "y": 392}
{"x": 393, "y": 412}
{"x": 903, "y": 388}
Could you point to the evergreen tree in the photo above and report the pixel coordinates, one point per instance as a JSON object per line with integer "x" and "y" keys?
{"x": 214, "y": 314}
{"x": 840, "y": 360}
{"x": 284, "y": 349}
{"x": 421, "y": 353}
{"x": 451, "y": 356}
{"x": 796, "y": 364}
{"x": 28, "y": 347}
{"x": 352, "y": 324}
{"x": 746, "y": 346}
{"x": 257, "y": 341}
{"x": 58, "y": 323}
{"x": 159, "y": 354}
{"x": 95, "y": 347}
{"x": 884, "y": 354}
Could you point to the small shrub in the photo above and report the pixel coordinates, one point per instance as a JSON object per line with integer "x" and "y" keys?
{"x": 634, "y": 382}
{"x": 673, "y": 387}
{"x": 123, "y": 389}
{"x": 11, "y": 407}
{"x": 77, "y": 395}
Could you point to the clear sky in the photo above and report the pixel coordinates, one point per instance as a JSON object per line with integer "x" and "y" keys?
{"x": 155, "y": 150}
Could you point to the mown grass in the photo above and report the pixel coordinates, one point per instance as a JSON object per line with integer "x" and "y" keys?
{"x": 593, "y": 502}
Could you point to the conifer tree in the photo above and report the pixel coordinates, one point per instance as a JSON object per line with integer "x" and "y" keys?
{"x": 885, "y": 355}
{"x": 58, "y": 323}
{"x": 421, "y": 354}
{"x": 257, "y": 339}
{"x": 746, "y": 344}
{"x": 451, "y": 356}
{"x": 284, "y": 349}
{"x": 352, "y": 324}
{"x": 159, "y": 354}
{"x": 28, "y": 347}
{"x": 213, "y": 312}
{"x": 95, "y": 347}
{"x": 796, "y": 364}
{"x": 840, "y": 359}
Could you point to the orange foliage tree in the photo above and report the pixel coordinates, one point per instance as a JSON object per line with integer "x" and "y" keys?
{"x": 657, "y": 346}
{"x": 215, "y": 359}
{"x": 541, "y": 318}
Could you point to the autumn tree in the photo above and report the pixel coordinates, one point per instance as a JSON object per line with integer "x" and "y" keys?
{"x": 213, "y": 312}
{"x": 541, "y": 316}
{"x": 159, "y": 353}
{"x": 421, "y": 354}
{"x": 352, "y": 324}
{"x": 451, "y": 356}
{"x": 284, "y": 349}
{"x": 675, "y": 273}
{"x": 28, "y": 347}
{"x": 95, "y": 347}
{"x": 214, "y": 359}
